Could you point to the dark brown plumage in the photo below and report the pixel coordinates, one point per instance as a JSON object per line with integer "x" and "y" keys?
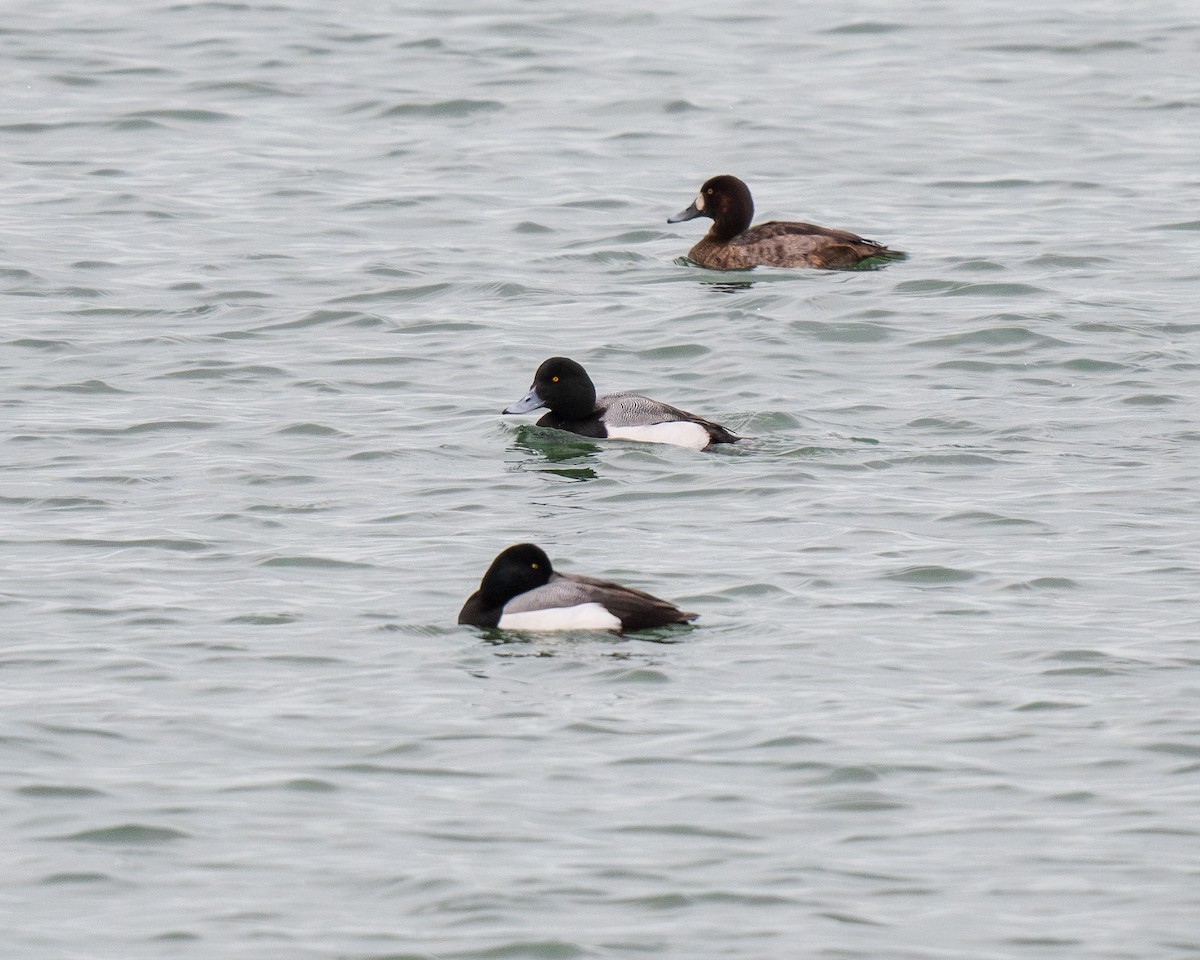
{"x": 732, "y": 244}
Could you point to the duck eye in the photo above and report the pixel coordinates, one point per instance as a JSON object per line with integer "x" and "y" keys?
{"x": 709, "y": 191}
{"x": 554, "y": 379}
{"x": 533, "y": 566}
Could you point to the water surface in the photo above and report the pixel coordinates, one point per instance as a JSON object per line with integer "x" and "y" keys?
{"x": 269, "y": 273}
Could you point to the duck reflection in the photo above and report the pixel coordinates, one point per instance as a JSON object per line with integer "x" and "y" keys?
{"x": 567, "y": 451}
{"x": 729, "y": 286}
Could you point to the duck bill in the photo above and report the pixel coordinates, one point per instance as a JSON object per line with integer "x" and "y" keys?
{"x": 531, "y": 401}
{"x": 691, "y": 213}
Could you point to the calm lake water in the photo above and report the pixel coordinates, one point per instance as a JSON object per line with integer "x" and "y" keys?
{"x": 269, "y": 273}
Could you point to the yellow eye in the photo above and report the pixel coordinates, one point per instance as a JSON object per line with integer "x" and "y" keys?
{"x": 533, "y": 566}
{"x": 555, "y": 379}
{"x": 709, "y": 191}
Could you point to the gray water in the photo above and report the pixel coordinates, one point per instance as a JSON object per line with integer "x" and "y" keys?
{"x": 270, "y": 271}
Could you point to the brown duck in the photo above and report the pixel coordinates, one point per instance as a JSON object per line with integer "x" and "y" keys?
{"x": 732, "y": 244}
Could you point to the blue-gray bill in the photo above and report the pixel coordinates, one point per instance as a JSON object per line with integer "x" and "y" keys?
{"x": 531, "y": 401}
{"x": 691, "y": 213}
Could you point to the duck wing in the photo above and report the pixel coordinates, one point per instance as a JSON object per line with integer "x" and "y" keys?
{"x": 636, "y": 609}
{"x": 634, "y": 410}
{"x": 785, "y": 244}
{"x": 774, "y": 229}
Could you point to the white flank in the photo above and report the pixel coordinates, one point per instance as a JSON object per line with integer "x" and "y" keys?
{"x": 682, "y": 433}
{"x": 585, "y": 616}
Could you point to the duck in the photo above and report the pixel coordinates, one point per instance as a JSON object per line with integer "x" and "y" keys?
{"x": 565, "y": 389}
{"x": 522, "y": 591}
{"x": 732, "y": 244}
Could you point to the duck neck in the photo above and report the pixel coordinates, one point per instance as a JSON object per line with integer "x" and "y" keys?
{"x": 724, "y": 230}
{"x": 578, "y": 405}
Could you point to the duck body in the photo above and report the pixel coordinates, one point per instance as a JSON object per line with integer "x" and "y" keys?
{"x": 522, "y": 591}
{"x": 565, "y": 389}
{"x": 732, "y": 244}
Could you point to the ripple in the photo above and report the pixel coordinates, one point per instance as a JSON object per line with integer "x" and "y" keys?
{"x": 793, "y": 740}
{"x": 1046, "y": 583}
{"x": 865, "y": 27}
{"x": 958, "y": 288}
{"x": 129, "y": 834}
{"x": 1089, "y": 365}
{"x": 297, "y": 784}
{"x": 640, "y": 675}
{"x": 523, "y": 949}
{"x": 1080, "y": 672}
{"x": 931, "y": 575}
{"x": 1069, "y": 262}
{"x": 1151, "y": 400}
{"x": 264, "y": 619}
{"x": 1077, "y": 656}
{"x": 231, "y": 371}
{"x": 38, "y": 127}
{"x": 683, "y": 830}
{"x": 87, "y": 387}
{"x": 864, "y": 803}
{"x": 850, "y": 918}
{"x": 1039, "y": 706}
{"x": 992, "y": 336}
{"x": 1189, "y": 750}
{"x": 447, "y": 109}
{"x": 62, "y": 879}
{"x": 1067, "y": 48}
{"x": 148, "y": 543}
{"x": 187, "y": 115}
{"x": 37, "y": 344}
{"x": 246, "y": 88}
{"x": 532, "y": 228}
{"x": 986, "y": 518}
{"x": 56, "y": 792}
{"x": 309, "y": 430}
{"x": 153, "y": 426}
{"x": 314, "y": 563}
{"x": 834, "y": 332}
{"x": 942, "y": 459}
{"x": 400, "y": 294}
{"x": 135, "y": 125}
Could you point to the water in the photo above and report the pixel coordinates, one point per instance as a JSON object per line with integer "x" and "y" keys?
{"x": 271, "y": 271}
